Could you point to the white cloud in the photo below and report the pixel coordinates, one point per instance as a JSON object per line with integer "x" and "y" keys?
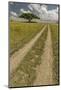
{"x": 30, "y": 7}
{"x": 43, "y": 8}
{"x": 35, "y": 8}
{"x": 11, "y": 3}
{"x": 13, "y": 13}
{"x": 24, "y": 11}
{"x": 53, "y": 15}
{"x": 43, "y": 12}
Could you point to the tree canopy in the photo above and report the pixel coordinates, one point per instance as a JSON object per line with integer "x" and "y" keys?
{"x": 28, "y": 16}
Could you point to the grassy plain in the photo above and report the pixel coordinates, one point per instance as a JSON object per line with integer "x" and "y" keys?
{"x": 55, "y": 42}
{"x": 25, "y": 74}
{"x": 21, "y": 33}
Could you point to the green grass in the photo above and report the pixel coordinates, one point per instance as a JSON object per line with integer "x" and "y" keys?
{"x": 25, "y": 74}
{"x": 21, "y": 33}
{"x": 54, "y": 33}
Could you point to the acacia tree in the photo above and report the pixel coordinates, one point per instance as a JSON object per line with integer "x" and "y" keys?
{"x": 28, "y": 16}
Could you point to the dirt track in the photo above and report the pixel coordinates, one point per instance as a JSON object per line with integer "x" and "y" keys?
{"x": 16, "y": 58}
{"x": 44, "y": 71}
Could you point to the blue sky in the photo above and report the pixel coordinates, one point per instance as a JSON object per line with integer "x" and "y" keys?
{"x": 16, "y": 6}
{"x": 48, "y": 12}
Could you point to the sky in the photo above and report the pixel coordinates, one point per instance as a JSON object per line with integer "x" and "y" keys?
{"x": 43, "y": 11}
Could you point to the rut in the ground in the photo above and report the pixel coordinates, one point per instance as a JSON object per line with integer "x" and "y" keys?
{"x": 44, "y": 71}
{"x": 18, "y": 56}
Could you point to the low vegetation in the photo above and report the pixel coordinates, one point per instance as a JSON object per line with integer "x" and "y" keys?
{"x": 55, "y": 42}
{"x": 25, "y": 74}
{"x": 21, "y": 33}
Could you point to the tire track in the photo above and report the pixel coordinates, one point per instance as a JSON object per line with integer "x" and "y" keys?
{"x": 16, "y": 58}
{"x": 44, "y": 71}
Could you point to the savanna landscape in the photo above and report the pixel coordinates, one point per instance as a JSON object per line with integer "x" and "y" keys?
{"x": 34, "y": 51}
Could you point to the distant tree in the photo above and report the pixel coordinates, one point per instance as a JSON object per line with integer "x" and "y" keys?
{"x": 28, "y": 16}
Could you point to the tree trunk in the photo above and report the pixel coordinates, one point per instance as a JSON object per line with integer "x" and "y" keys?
{"x": 29, "y": 20}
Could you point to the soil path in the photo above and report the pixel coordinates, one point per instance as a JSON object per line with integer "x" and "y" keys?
{"x": 16, "y": 58}
{"x": 44, "y": 71}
